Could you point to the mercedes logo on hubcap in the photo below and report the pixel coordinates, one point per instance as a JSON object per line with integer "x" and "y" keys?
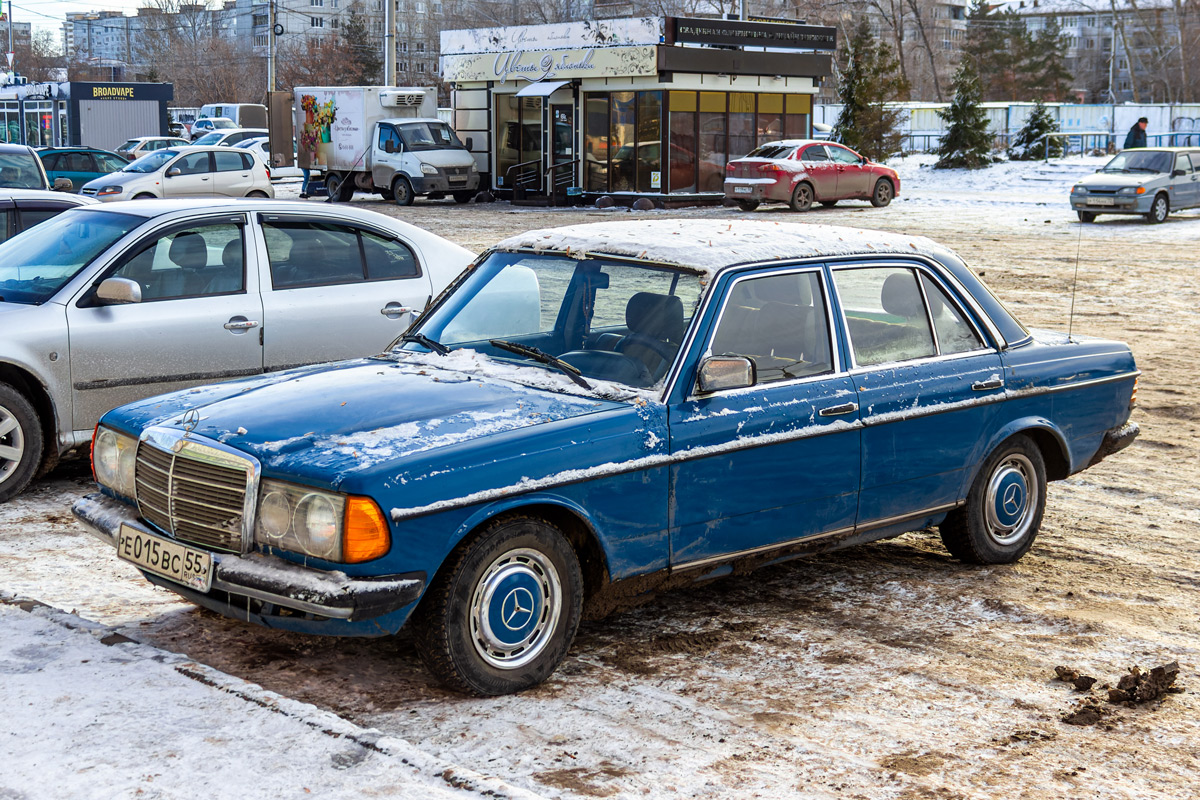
{"x": 517, "y": 609}
{"x": 1012, "y": 499}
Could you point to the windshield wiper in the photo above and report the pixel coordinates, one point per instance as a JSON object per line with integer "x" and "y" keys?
{"x": 425, "y": 341}
{"x": 543, "y": 357}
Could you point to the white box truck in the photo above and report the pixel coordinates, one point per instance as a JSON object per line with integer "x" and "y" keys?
{"x": 381, "y": 139}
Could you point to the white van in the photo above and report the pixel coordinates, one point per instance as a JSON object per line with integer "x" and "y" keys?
{"x": 244, "y": 115}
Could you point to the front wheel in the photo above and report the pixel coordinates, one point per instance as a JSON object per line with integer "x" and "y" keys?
{"x": 1159, "y": 210}
{"x": 402, "y": 191}
{"x": 1086, "y": 216}
{"x": 1004, "y": 507}
{"x": 144, "y": 196}
{"x": 883, "y": 194}
{"x": 20, "y": 442}
{"x": 463, "y": 197}
{"x": 802, "y": 197}
{"x": 747, "y": 205}
{"x": 257, "y": 195}
{"x": 503, "y": 611}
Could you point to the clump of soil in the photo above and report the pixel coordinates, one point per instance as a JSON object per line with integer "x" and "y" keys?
{"x": 1081, "y": 682}
{"x": 1144, "y": 687}
{"x": 1089, "y": 711}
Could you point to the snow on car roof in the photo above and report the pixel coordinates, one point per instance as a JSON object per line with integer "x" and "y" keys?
{"x": 710, "y": 247}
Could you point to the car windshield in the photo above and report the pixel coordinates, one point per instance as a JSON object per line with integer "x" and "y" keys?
{"x": 209, "y": 138}
{"x": 609, "y": 321}
{"x": 151, "y": 162}
{"x": 771, "y": 151}
{"x": 20, "y": 171}
{"x": 429, "y": 136}
{"x": 222, "y": 122}
{"x": 1140, "y": 161}
{"x": 132, "y": 143}
{"x": 36, "y": 263}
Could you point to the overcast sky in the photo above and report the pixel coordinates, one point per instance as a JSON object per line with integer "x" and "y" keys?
{"x": 49, "y": 14}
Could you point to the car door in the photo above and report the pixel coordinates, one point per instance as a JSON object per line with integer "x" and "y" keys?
{"x": 335, "y": 290}
{"x": 232, "y": 176}
{"x": 198, "y": 320}
{"x": 822, "y": 172}
{"x": 776, "y": 462}
{"x": 190, "y": 175}
{"x": 928, "y": 382}
{"x": 853, "y": 177}
{"x": 384, "y": 164}
{"x": 1187, "y": 185}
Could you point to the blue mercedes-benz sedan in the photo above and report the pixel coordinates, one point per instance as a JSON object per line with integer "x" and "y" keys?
{"x": 593, "y": 412}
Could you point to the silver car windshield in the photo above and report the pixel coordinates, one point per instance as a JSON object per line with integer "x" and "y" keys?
{"x": 615, "y": 321}
{"x": 20, "y": 171}
{"x": 36, "y": 263}
{"x": 1140, "y": 161}
{"x": 151, "y": 162}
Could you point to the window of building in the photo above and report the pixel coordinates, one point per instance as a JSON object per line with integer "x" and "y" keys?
{"x": 260, "y": 40}
{"x": 317, "y": 3}
{"x": 333, "y": 23}
{"x": 420, "y": 47}
{"x": 421, "y": 68}
{"x": 316, "y": 22}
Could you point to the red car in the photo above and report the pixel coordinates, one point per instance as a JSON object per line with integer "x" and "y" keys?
{"x": 800, "y": 172}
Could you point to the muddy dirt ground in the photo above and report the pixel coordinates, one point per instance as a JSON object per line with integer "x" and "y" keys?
{"x": 884, "y": 671}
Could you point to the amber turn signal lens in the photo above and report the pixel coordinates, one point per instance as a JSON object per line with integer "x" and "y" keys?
{"x": 366, "y": 532}
{"x": 1133, "y": 397}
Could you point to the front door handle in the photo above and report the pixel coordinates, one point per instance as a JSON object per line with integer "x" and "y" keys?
{"x": 835, "y": 411}
{"x": 240, "y": 324}
{"x": 983, "y": 386}
{"x": 394, "y": 310}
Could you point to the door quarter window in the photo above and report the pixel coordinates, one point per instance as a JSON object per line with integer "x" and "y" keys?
{"x": 779, "y": 323}
{"x": 954, "y": 333}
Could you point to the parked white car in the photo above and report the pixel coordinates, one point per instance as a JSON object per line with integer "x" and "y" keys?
{"x": 140, "y": 145}
{"x": 261, "y": 147}
{"x": 230, "y": 138}
{"x": 21, "y": 209}
{"x": 185, "y": 172}
{"x": 209, "y": 124}
{"x": 136, "y": 299}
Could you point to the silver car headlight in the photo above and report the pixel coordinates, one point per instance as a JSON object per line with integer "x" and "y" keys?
{"x": 325, "y": 525}
{"x": 1131, "y": 190}
{"x": 429, "y": 169}
{"x": 1079, "y": 190}
{"x": 114, "y": 457}
{"x": 109, "y": 190}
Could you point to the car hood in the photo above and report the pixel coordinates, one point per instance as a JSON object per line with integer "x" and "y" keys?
{"x": 332, "y": 423}
{"x": 1118, "y": 180}
{"x": 117, "y": 179}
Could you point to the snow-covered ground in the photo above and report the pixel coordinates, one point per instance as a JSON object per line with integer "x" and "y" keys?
{"x": 880, "y": 672}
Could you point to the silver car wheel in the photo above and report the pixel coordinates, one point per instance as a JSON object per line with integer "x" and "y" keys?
{"x": 1010, "y": 499}
{"x": 515, "y": 608}
{"x": 12, "y": 444}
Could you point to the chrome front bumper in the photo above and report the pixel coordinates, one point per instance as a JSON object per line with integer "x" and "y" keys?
{"x": 264, "y": 578}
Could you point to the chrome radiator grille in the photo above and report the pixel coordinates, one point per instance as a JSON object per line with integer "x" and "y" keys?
{"x": 195, "y": 500}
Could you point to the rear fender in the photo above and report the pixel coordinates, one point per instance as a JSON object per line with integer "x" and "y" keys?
{"x": 1045, "y": 434}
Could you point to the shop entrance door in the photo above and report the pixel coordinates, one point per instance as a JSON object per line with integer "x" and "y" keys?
{"x": 519, "y": 161}
{"x": 562, "y": 151}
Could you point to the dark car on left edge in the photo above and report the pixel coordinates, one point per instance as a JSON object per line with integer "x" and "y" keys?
{"x": 79, "y": 164}
{"x": 20, "y": 168}
{"x": 597, "y": 411}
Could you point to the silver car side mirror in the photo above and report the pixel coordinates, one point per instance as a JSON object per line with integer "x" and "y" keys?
{"x": 173, "y": 172}
{"x": 116, "y": 291}
{"x": 725, "y": 372}
{"x": 63, "y": 185}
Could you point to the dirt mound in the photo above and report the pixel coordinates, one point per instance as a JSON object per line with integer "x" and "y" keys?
{"x": 1135, "y": 688}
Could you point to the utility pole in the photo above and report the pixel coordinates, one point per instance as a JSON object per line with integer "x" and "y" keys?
{"x": 389, "y": 42}
{"x": 10, "y": 37}
{"x": 270, "y": 47}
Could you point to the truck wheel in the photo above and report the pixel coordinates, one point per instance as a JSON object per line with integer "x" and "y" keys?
{"x": 402, "y": 191}
{"x": 20, "y": 442}
{"x": 333, "y": 185}
{"x": 503, "y": 610}
{"x": 1004, "y": 507}
{"x": 463, "y": 197}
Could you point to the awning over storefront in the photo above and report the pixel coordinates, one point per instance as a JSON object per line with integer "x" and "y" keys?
{"x": 541, "y": 88}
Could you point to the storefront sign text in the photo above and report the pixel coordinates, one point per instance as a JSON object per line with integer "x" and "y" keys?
{"x": 112, "y": 92}
{"x": 551, "y": 65}
{"x": 733, "y": 33}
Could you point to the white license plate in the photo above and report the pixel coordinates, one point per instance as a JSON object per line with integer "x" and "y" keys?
{"x": 743, "y": 189}
{"x": 1101, "y": 201}
{"x": 192, "y": 568}
{"x": 458, "y": 178}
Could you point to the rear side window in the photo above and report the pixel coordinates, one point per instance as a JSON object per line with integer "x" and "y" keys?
{"x": 387, "y": 258}
{"x": 814, "y": 153}
{"x": 885, "y": 315}
{"x": 313, "y": 253}
{"x": 230, "y": 162}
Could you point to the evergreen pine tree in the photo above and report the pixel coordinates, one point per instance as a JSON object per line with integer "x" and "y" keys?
{"x": 967, "y": 141}
{"x": 1046, "y": 72}
{"x": 1027, "y": 145}
{"x": 868, "y": 80}
{"x": 364, "y": 63}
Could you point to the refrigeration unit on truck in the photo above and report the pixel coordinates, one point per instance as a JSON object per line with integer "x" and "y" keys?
{"x": 381, "y": 139}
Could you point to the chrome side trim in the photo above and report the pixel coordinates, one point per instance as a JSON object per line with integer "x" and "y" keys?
{"x": 1033, "y": 391}
{"x": 880, "y": 523}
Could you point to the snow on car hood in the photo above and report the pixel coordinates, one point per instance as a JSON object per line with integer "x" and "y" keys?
{"x": 1118, "y": 180}
{"x": 323, "y": 423}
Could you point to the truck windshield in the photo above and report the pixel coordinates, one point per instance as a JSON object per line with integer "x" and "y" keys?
{"x": 20, "y": 171}
{"x": 429, "y": 136}
{"x": 36, "y": 263}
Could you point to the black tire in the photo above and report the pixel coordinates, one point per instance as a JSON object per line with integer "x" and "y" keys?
{"x": 1086, "y": 216}
{"x": 463, "y": 197}
{"x": 144, "y": 196}
{"x": 21, "y": 442}
{"x": 333, "y": 185}
{"x": 747, "y": 205}
{"x": 1159, "y": 210}
{"x": 1004, "y": 507}
{"x": 802, "y": 197}
{"x": 829, "y": 203}
{"x": 402, "y": 191}
{"x": 386, "y": 194}
{"x": 257, "y": 195}
{"x": 513, "y": 563}
{"x": 883, "y": 194}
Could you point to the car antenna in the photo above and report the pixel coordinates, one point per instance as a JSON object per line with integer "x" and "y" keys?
{"x": 1074, "y": 283}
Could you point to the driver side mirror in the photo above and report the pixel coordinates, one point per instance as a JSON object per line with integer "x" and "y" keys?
{"x": 389, "y": 146}
{"x": 1175, "y": 174}
{"x": 725, "y": 372}
{"x": 63, "y": 185}
{"x": 118, "y": 291}
{"x": 470, "y": 143}
{"x": 174, "y": 172}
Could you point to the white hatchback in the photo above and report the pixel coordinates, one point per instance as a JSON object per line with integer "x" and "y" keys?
{"x": 185, "y": 172}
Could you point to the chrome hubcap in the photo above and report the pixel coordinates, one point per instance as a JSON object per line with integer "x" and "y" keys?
{"x": 515, "y": 608}
{"x": 12, "y": 444}
{"x": 1011, "y": 499}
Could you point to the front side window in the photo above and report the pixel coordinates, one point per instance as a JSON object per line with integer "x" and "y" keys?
{"x": 885, "y": 315}
{"x": 388, "y": 134}
{"x": 197, "y": 261}
{"x": 193, "y": 164}
{"x": 841, "y": 155}
{"x": 779, "y": 323}
{"x": 1182, "y": 163}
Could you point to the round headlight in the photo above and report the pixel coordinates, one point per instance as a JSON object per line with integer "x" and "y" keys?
{"x": 107, "y": 458}
{"x": 275, "y": 515}
{"x": 317, "y": 524}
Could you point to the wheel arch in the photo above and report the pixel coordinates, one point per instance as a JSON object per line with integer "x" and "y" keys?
{"x": 1044, "y": 434}
{"x": 38, "y": 396}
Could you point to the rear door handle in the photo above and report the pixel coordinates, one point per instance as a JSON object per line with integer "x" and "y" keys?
{"x": 394, "y": 310}
{"x": 983, "y": 386}
{"x": 835, "y": 411}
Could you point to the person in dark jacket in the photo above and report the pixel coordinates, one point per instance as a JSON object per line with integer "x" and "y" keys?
{"x": 1137, "y": 134}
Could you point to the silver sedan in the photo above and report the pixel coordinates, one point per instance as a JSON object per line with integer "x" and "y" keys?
{"x": 106, "y": 304}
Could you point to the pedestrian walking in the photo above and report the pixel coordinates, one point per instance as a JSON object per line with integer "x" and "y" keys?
{"x": 1137, "y": 134}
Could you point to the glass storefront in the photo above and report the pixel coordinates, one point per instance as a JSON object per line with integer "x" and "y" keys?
{"x": 10, "y": 121}
{"x": 518, "y": 136}
{"x": 623, "y": 142}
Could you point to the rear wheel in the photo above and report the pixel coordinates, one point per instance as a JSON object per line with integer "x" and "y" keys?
{"x": 463, "y": 197}
{"x": 747, "y": 205}
{"x": 1086, "y": 216}
{"x": 333, "y": 185}
{"x": 20, "y": 442}
{"x": 258, "y": 195}
{"x": 802, "y": 197}
{"x": 503, "y": 611}
{"x": 1159, "y": 210}
{"x": 1004, "y": 507}
{"x": 402, "y": 191}
{"x": 883, "y": 194}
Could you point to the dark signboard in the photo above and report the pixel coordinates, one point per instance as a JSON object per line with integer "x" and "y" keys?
{"x": 735, "y": 33}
